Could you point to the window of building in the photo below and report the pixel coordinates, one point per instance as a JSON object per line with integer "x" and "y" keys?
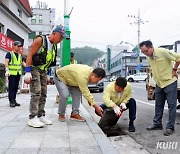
{"x": 32, "y": 35}
{"x": 1, "y": 28}
{"x": 33, "y": 19}
{"x": 19, "y": 13}
{"x": 120, "y": 61}
{"x": 128, "y": 60}
{"x": 40, "y": 33}
{"x": 140, "y": 59}
{"x": 40, "y": 18}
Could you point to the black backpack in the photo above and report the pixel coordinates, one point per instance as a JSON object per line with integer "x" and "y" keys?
{"x": 40, "y": 58}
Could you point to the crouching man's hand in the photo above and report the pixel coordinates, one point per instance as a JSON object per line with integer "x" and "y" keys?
{"x": 123, "y": 106}
{"x": 98, "y": 109}
{"x": 117, "y": 110}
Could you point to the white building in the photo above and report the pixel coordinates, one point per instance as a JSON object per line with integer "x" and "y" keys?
{"x": 42, "y": 21}
{"x": 121, "y": 61}
{"x": 115, "y": 50}
{"x": 14, "y": 16}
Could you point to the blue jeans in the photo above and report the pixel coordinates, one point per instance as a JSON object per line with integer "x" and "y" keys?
{"x": 131, "y": 105}
{"x": 161, "y": 94}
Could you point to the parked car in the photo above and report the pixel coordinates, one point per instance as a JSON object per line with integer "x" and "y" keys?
{"x": 113, "y": 78}
{"x": 97, "y": 86}
{"x": 142, "y": 76}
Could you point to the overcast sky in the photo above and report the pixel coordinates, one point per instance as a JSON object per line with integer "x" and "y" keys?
{"x": 98, "y": 23}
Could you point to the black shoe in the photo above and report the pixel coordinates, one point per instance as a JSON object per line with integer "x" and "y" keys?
{"x": 155, "y": 127}
{"x": 168, "y": 132}
{"x": 17, "y": 104}
{"x": 131, "y": 128}
{"x": 178, "y": 107}
{"x": 12, "y": 105}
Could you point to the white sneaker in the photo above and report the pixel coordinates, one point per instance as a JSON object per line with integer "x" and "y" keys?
{"x": 44, "y": 120}
{"x": 35, "y": 122}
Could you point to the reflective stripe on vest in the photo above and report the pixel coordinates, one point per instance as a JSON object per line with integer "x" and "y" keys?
{"x": 15, "y": 65}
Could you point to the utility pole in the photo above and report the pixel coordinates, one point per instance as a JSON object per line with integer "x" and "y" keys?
{"x": 138, "y": 21}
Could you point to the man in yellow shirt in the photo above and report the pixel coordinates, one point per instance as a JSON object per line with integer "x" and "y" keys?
{"x": 117, "y": 96}
{"x": 165, "y": 76}
{"x": 74, "y": 79}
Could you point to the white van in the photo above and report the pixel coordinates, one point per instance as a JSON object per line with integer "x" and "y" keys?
{"x": 142, "y": 76}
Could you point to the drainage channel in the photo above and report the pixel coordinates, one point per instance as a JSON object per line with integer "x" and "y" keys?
{"x": 113, "y": 131}
{"x": 108, "y": 124}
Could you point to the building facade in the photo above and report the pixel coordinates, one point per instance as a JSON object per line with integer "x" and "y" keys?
{"x": 125, "y": 63}
{"x": 14, "y": 16}
{"x": 42, "y": 20}
{"x": 121, "y": 61}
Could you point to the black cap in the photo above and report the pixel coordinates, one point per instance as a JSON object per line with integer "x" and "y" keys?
{"x": 72, "y": 54}
{"x": 18, "y": 43}
{"x": 62, "y": 31}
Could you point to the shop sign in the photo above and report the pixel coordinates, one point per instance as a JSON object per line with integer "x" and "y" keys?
{"x": 7, "y": 44}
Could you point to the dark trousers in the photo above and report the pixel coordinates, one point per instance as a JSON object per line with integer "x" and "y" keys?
{"x": 168, "y": 93}
{"x": 13, "y": 87}
{"x": 131, "y": 105}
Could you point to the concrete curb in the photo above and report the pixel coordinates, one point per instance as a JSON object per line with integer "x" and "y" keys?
{"x": 104, "y": 143}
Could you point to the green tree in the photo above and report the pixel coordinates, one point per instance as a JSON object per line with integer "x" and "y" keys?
{"x": 86, "y": 55}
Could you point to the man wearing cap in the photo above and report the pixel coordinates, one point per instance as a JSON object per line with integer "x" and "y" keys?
{"x": 41, "y": 56}
{"x": 13, "y": 66}
{"x": 72, "y": 60}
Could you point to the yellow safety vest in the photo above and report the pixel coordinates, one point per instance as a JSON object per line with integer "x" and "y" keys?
{"x": 51, "y": 55}
{"x": 15, "y": 65}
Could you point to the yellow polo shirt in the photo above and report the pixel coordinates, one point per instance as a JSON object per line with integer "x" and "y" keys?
{"x": 162, "y": 66}
{"x": 77, "y": 75}
{"x": 110, "y": 96}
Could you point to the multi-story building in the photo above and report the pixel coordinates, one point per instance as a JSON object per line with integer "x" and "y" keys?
{"x": 42, "y": 21}
{"x": 122, "y": 62}
{"x": 125, "y": 63}
{"x": 14, "y": 16}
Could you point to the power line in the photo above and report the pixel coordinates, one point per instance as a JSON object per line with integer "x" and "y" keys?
{"x": 90, "y": 42}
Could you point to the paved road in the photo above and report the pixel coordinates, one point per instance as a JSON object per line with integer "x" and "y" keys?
{"x": 153, "y": 141}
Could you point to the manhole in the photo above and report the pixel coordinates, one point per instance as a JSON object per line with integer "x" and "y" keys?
{"x": 108, "y": 123}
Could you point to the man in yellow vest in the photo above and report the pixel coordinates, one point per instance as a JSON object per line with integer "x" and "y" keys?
{"x": 13, "y": 66}
{"x": 41, "y": 56}
{"x": 72, "y": 60}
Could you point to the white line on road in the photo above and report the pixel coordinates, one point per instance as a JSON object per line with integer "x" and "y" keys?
{"x": 146, "y": 103}
{"x": 152, "y": 104}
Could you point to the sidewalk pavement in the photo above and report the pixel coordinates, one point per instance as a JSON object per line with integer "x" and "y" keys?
{"x": 69, "y": 137}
